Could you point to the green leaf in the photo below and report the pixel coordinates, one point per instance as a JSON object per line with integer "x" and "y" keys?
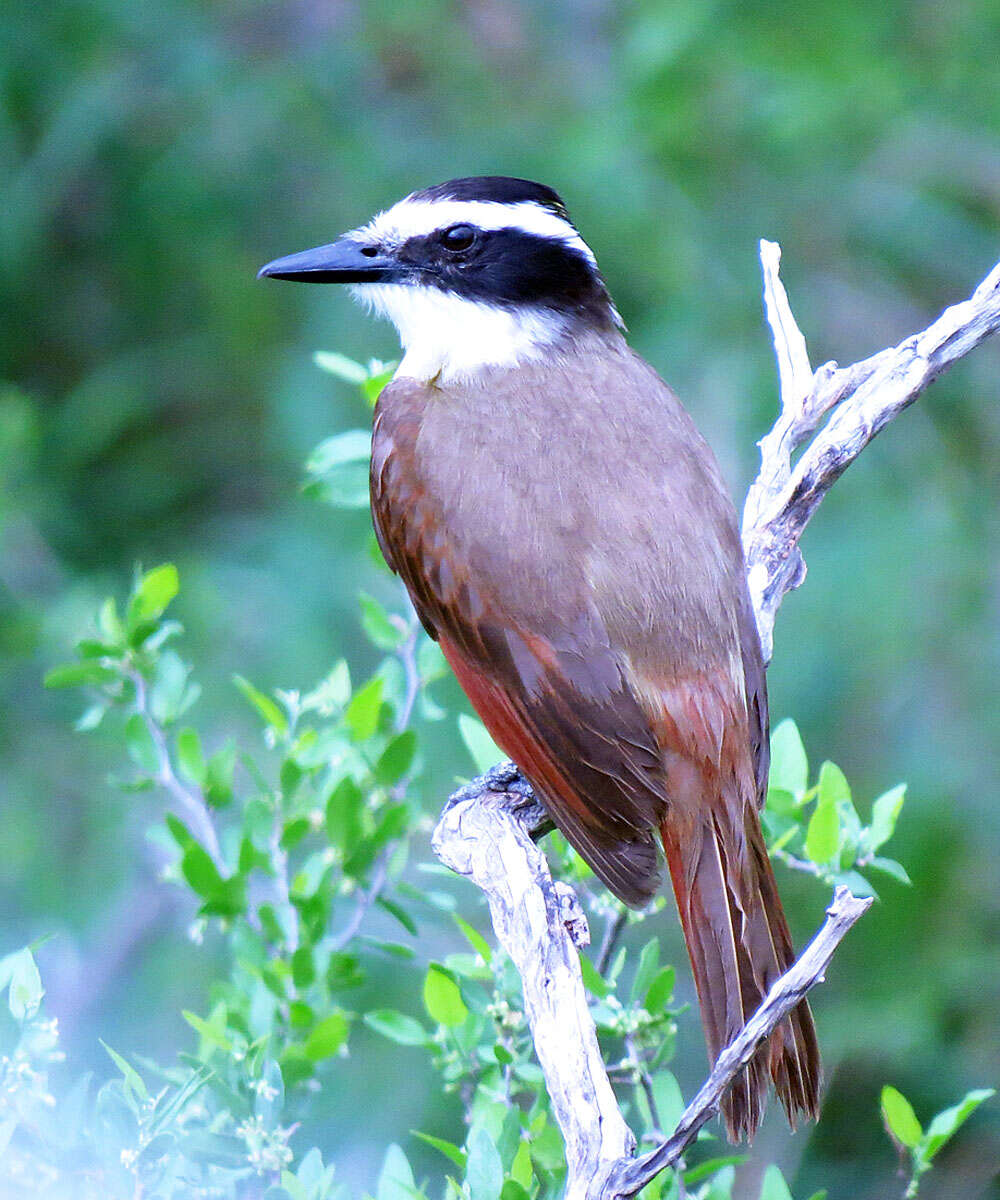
{"x": 296, "y": 1066}
{"x": 789, "y": 765}
{"x": 669, "y": 1098}
{"x": 395, "y": 949}
{"x": 521, "y": 1170}
{"x": 512, "y": 1190}
{"x": 212, "y": 1031}
{"x": 294, "y": 831}
{"x": 396, "y": 759}
{"x": 885, "y": 814}
{"x": 191, "y": 757}
{"x": 152, "y": 594}
{"x": 548, "y": 1149}
{"x": 469, "y": 966}
{"x": 833, "y": 785}
{"x": 944, "y": 1125}
{"x": 338, "y": 469}
{"x": 171, "y": 693}
{"x": 19, "y": 973}
{"x": 219, "y": 772}
{"x": 649, "y": 960}
{"x": 395, "y": 1181}
{"x": 660, "y": 991}
{"x": 855, "y": 883}
{"x": 823, "y": 832}
{"x": 110, "y": 624}
{"x": 199, "y": 870}
{"x": 710, "y": 1166}
{"x": 431, "y": 662}
{"x": 363, "y": 711}
{"x": 833, "y": 788}
{"x": 781, "y": 802}
{"x": 592, "y": 979}
{"x": 300, "y": 1015}
{"x": 133, "y": 1080}
{"x": 77, "y": 674}
{"x": 178, "y": 831}
{"x": 474, "y": 938}
{"x": 353, "y": 445}
{"x": 484, "y": 1172}
{"x": 485, "y": 752}
{"x": 400, "y": 913}
{"x": 397, "y": 1027}
{"x": 343, "y": 815}
{"x": 889, "y": 866}
{"x": 90, "y": 718}
{"x": 381, "y": 630}
{"x": 331, "y": 693}
{"x": 900, "y": 1119}
{"x": 328, "y": 1036}
{"x": 380, "y": 375}
{"x": 392, "y": 825}
{"x": 303, "y": 967}
{"x": 344, "y": 972}
{"x": 443, "y": 998}
{"x": 264, "y": 705}
{"x": 341, "y": 366}
{"x": 774, "y": 1186}
{"x": 448, "y": 1149}
{"x": 140, "y": 745}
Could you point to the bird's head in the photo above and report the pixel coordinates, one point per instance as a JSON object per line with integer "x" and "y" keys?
{"x": 474, "y": 273}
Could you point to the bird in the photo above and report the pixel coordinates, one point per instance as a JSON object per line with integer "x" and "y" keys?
{"x": 566, "y": 536}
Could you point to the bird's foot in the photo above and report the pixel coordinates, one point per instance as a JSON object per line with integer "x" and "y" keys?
{"x": 505, "y": 779}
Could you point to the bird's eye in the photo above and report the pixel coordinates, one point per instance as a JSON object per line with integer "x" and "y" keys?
{"x": 458, "y": 237}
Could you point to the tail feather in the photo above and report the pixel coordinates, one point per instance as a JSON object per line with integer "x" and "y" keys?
{"x": 739, "y": 944}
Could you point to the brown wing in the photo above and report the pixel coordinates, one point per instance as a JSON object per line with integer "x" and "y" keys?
{"x": 554, "y": 700}
{"x": 755, "y": 676}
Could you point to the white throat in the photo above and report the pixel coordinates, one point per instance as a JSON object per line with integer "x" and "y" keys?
{"x": 449, "y": 337}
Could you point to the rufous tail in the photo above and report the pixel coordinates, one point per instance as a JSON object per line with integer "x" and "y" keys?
{"x": 739, "y": 944}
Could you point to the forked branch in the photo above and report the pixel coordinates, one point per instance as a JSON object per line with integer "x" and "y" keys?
{"x": 863, "y": 399}
{"x": 486, "y": 830}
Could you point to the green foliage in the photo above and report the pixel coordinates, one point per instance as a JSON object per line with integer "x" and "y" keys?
{"x": 817, "y": 829}
{"x": 917, "y": 1147}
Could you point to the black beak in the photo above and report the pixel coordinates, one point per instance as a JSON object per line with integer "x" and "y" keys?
{"x": 345, "y": 261}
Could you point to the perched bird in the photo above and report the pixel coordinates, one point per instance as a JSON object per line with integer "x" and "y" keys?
{"x": 565, "y": 534}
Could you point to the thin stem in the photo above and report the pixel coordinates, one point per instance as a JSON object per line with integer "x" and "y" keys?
{"x": 366, "y": 898}
{"x": 801, "y": 864}
{"x": 190, "y": 800}
{"x": 612, "y": 932}
{"x": 408, "y": 657}
{"x": 642, "y": 1077}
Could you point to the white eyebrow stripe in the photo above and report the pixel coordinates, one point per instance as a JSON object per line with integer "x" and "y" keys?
{"x": 414, "y": 218}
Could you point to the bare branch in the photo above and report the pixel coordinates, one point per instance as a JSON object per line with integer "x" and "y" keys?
{"x": 794, "y": 372}
{"x": 190, "y": 800}
{"x": 481, "y": 835}
{"x": 865, "y": 397}
{"x": 808, "y": 970}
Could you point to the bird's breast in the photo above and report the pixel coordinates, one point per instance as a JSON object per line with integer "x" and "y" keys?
{"x": 562, "y": 491}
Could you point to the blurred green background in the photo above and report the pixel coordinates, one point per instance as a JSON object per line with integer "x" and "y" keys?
{"x": 158, "y": 403}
